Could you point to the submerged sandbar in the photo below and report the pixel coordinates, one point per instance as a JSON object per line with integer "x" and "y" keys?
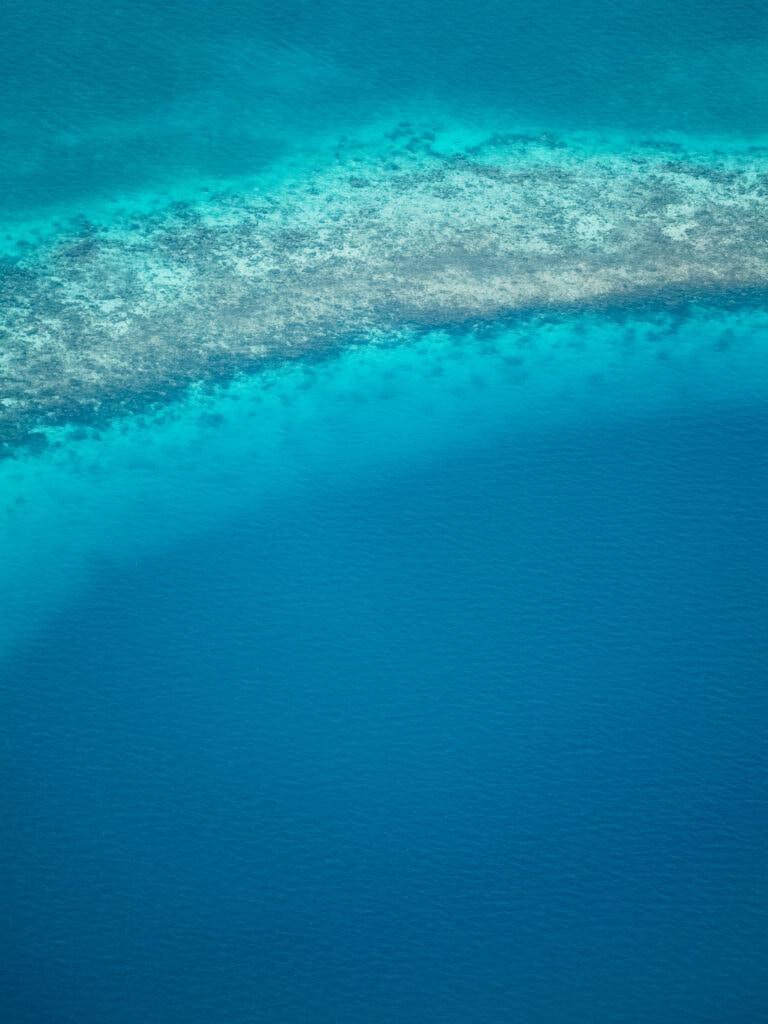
{"x": 412, "y": 233}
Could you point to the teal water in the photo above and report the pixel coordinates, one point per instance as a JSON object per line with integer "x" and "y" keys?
{"x": 414, "y": 671}
{"x": 100, "y": 98}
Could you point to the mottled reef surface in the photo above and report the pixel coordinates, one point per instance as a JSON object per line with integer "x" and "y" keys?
{"x": 111, "y": 318}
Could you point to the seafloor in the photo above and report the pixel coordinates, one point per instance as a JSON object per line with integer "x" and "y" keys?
{"x": 411, "y": 231}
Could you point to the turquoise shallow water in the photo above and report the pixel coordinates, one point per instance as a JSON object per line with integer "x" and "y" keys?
{"x": 144, "y": 485}
{"x": 417, "y": 671}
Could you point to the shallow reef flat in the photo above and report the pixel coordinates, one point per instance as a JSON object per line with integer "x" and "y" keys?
{"x": 411, "y": 233}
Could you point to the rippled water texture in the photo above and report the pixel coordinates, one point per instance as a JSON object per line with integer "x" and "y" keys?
{"x": 383, "y": 512}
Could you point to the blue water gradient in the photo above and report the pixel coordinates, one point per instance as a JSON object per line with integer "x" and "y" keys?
{"x": 421, "y": 685}
{"x": 482, "y": 741}
{"x": 424, "y": 681}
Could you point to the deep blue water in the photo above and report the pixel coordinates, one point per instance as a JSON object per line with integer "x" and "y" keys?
{"x": 431, "y": 686}
{"x": 483, "y": 742}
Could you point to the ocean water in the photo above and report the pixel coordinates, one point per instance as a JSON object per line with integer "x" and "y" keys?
{"x": 383, "y": 513}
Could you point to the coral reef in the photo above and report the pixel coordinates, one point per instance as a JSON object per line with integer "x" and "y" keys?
{"x": 108, "y": 319}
